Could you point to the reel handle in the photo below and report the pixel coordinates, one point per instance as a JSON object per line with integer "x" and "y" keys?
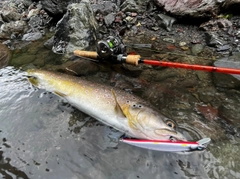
{"x": 87, "y": 54}
{"x": 133, "y": 59}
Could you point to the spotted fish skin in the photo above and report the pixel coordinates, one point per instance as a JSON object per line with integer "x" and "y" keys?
{"x": 112, "y": 106}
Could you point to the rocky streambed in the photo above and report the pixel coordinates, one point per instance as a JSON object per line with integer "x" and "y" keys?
{"x": 44, "y": 34}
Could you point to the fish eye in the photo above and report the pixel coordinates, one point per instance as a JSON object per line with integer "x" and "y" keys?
{"x": 171, "y": 124}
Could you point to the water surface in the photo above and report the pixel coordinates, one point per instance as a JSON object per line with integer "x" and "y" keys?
{"x": 44, "y": 137}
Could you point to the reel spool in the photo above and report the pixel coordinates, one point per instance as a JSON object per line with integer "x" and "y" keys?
{"x": 111, "y": 47}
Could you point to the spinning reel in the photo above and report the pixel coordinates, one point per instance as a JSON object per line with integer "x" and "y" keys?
{"x": 111, "y": 48}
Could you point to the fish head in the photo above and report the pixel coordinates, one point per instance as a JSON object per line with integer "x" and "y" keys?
{"x": 147, "y": 122}
{"x": 43, "y": 79}
{"x": 37, "y": 78}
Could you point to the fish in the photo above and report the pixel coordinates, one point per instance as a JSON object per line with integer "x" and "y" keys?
{"x": 113, "y": 107}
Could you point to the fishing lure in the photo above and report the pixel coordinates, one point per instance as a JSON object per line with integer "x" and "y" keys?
{"x": 168, "y": 145}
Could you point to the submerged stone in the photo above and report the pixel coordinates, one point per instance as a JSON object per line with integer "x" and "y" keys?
{"x": 5, "y": 55}
{"x": 197, "y": 48}
{"x": 22, "y": 60}
{"x": 230, "y": 62}
{"x": 82, "y": 67}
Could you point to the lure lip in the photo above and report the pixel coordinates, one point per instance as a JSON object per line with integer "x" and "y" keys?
{"x": 168, "y": 145}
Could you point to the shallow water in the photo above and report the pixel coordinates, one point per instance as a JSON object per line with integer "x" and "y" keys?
{"x": 43, "y": 137}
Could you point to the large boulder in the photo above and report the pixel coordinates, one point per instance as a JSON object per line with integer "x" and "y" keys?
{"x": 193, "y": 8}
{"x": 76, "y": 30}
{"x": 196, "y": 8}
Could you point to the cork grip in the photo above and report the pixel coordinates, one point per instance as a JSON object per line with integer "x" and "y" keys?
{"x": 133, "y": 59}
{"x": 87, "y": 54}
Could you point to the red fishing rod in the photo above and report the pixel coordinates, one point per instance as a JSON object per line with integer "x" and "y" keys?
{"x": 113, "y": 49}
{"x": 191, "y": 67}
{"x": 136, "y": 59}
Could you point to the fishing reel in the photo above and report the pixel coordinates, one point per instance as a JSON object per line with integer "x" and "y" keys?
{"x": 111, "y": 48}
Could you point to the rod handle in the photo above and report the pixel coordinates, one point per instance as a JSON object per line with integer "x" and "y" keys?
{"x": 133, "y": 59}
{"x": 88, "y": 54}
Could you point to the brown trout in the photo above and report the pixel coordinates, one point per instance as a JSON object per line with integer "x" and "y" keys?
{"x": 113, "y": 107}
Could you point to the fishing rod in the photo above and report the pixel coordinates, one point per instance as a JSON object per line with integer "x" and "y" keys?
{"x": 113, "y": 49}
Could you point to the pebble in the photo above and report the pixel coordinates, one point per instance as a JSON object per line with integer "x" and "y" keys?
{"x": 171, "y": 40}
{"x": 128, "y": 18}
{"x": 181, "y": 44}
{"x": 223, "y": 48}
{"x": 33, "y": 12}
{"x": 196, "y": 49}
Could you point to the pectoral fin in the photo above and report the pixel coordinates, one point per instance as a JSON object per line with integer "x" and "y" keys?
{"x": 118, "y": 108}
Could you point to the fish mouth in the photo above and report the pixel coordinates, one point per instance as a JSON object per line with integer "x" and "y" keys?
{"x": 170, "y": 134}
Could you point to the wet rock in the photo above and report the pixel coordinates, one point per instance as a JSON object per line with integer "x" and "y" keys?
{"x": 105, "y": 7}
{"x": 34, "y": 22}
{"x": 22, "y": 60}
{"x": 159, "y": 94}
{"x": 223, "y": 48}
{"x": 32, "y": 36}
{"x": 39, "y": 61}
{"x": 165, "y": 21}
{"x": 76, "y": 30}
{"x": 193, "y": 8}
{"x": 230, "y": 62}
{"x": 131, "y": 6}
{"x": 55, "y": 6}
{"x": 210, "y": 113}
{"x": 225, "y": 81}
{"x": 213, "y": 40}
{"x": 82, "y": 67}
{"x": 1, "y": 21}
{"x": 38, "y": 19}
{"x": 10, "y": 14}
{"x": 49, "y": 43}
{"x": 109, "y": 19}
{"x": 160, "y": 75}
{"x": 228, "y": 4}
{"x": 13, "y": 27}
{"x": 197, "y": 48}
{"x": 33, "y": 12}
{"x": 215, "y": 24}
{"x": 230, "y": 111}
{"x": 5, "y": 55}
{"x": 128, "y": 70}
{"x": 207, "y": 94}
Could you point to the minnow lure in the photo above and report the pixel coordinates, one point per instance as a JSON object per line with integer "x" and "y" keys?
{"x": 168, "y": 145}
